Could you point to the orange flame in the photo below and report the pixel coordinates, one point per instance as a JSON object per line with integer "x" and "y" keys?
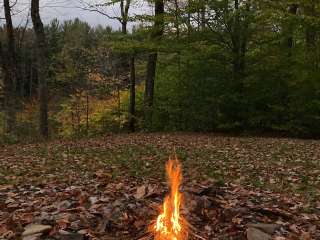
{"x": 169, "y": 224}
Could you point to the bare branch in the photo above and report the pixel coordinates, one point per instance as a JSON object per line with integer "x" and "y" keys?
{"x": 100, "y": 12}
{"x": 121, "y": 16}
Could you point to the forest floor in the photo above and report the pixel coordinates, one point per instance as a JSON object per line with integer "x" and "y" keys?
{"x": 112, "y": 187}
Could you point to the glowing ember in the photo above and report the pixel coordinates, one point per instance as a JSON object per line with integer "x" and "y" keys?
{"x": 169, "y": 224}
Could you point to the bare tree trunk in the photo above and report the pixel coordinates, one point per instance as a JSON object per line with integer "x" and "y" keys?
{"x": 177, "y": 14}
{"x": 124, "y": 27}
{"x": 128, "y": 64}
{"x": 42, "y": 67}
{"x": 189, "y": 17}
{"x": 151, "y": 72}
{"x": 239, "y": 38}
{"x": 311, "y": 34}
{"x": 10, "y": 70}
{"x": 156, "y": 34}
{"x": 132, "y": 105}
{"x": 293, "y": 9}
{"x": 119, "y": 105}
{"x": 78, "y": 110}
{"x": 87, "y": 112}
{"x": 203, "y": 16}
{"x": 236, "y": 44}
{"x": 239, "y": 44}
{"x": 124, "y": 8}
{"x": 72, "y": 120}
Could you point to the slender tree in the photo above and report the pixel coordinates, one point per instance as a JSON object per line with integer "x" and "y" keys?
{"x": 9, "y": 66}
{"x": 236, "y": 42}
{"x": 156, "y": 34}
{"x": 132, "y": 104}
{"x": 189, "y": 26}
{"x": 123, "y": 19}
{"x": 239, "y": 38}
{"x": 203, "y": 14}
{"x": 103, "y": 9}
{"x": 177, "y": 16}
{"x": 293, "y": 9}
{"x": 310, "y": 32}
{"x": 124, "y": 8}
{"x": 42, "y": 61}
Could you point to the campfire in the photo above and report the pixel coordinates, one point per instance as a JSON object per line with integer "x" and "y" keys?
{"x": 170, "y": 225}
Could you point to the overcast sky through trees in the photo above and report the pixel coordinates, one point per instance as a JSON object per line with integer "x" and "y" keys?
{"x": 62, "y": 10}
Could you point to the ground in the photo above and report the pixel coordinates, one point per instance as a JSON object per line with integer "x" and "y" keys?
{"x": 112, "y": 187}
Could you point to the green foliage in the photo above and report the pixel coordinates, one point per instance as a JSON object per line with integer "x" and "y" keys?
{"x": 277, "y": 90}
{"x": 195, "y": 94}
{"x": 221, "y": 67}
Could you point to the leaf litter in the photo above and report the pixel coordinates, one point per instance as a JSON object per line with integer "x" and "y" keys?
{"x": 112, "y": 187}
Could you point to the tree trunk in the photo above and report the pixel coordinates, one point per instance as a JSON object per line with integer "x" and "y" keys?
{"x": 151, "y": 72}
{"x": 124, "y": 8}
{"x": 189, "y": 18}
{"x": 42, "y": 67}
{"x": 124, "y": 27}
{"x": 128, "y": 65}
{"x": 203, "y": 16}
{"x": 132, "y": 105}
{"x": 311, "y": 34}
{"x": 9, "y": 69}
{"x": 237, "y": 44}
{"x": 87, "y": 112}
{"x": 293, "y": 9}
{"x": 239, "y": 39}
{"x": 156, "y": 34}
{"x": 176, "y": 16}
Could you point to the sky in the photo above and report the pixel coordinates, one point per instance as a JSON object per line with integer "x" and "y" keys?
{"x": 64, "y": 10}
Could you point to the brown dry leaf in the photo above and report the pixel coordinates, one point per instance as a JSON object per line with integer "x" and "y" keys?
{"x": 8, "y": 235}
{"x": 294, "y": 228}
{"x": 139, "y": 224}
{"x": 62, "y": 223}
{"x": 83, "y": 198}
{"x": 141, "y": 192}
{"x": 306, "y": 236}
{"x": 26, "y": 218}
